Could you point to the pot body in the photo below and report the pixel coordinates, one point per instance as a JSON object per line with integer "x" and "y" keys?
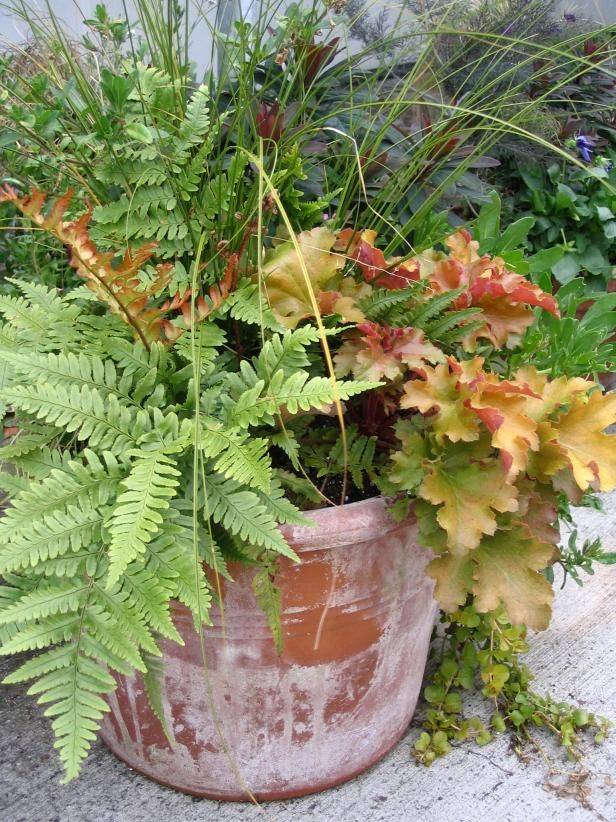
{"x": 358, "y": 612}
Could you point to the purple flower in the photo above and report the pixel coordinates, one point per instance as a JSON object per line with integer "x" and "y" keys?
{"x": 585, "y": 147}
{"x": 569, "y": 18}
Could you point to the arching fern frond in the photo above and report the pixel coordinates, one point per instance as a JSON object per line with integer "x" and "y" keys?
{"x": 105, "y": 424}
{"x": 50, "y": 536}
{"x": 242, "y": 513}
{"x": 138, "y": 515}
{"x": 72, "y": 369}
{"x": 239, "y": 456}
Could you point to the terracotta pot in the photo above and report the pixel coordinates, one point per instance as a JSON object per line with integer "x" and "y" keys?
{"x": 358, "y": 612}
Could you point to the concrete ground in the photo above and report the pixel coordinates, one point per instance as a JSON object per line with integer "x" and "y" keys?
{"x": 574, "y": 660}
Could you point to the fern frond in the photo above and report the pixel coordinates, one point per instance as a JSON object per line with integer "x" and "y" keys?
{"x": 293, "y": 393}
{"x": 287, "y": 442}
{"x": 153, "y": 680}
{"x": 49, "y": 599}
{"x": 74, "y": 690}
{"x": 378, "y": 306}
{"x": 72, "y": 369}
{"x": 13, "y": 484}
{"x": 241, "y": 512}
{"x": 196, "y": 123}
{"x": 83, "y": 561}
{"x": 281, "y": 508}
{"x": 21, "y": 314}
{"x": 46, "y": 298}
{"x": 171, "y": 555}
{"x": 150, "y": 597}
{"x": 104, "y": 424}
{"x": 247, "y": 306}
{"x": 137, "y": 517}
{"x": 297, "y": 392}
{"x": 247, "y": 410}
{"x": 41, "y": 462}
{"x": 239, "y": 456}
{"x": 431, "y": 307}
{"x": 269, "y": 599}
{"x": 51, "y": 536}
{"x": 80, "y": 483}
{"x": 51, "y": 631}
{"x": 27, "y": 440}
{"x": 44, "y": 663}
{"x": 135, "y": 358}
{"x": 118, "y": 605}
{"x": 112, "y": 635}
{"x": 440, "y": 328}
{"x": 286, "y": 352}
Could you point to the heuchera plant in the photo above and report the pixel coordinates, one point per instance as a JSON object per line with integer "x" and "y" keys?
{"x": 163, "y": 431}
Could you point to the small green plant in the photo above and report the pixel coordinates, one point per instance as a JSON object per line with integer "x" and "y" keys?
{"x": 486, "y": 649}
{"x": 574, "y": 210}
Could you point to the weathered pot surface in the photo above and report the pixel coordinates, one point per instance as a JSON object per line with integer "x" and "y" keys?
{"x": 358, "y": 612}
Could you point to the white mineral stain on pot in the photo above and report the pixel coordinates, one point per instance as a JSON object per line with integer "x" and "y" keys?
{"x": 315, "y": 715}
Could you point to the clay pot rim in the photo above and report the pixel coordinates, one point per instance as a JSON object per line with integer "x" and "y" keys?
{"x": 341, "y": 525}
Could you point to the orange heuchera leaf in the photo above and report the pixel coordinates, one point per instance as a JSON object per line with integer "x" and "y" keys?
{"x": 503, "y": 571}
{"x": 469, "y": 495}
{"x": 502, "y": 407}
{"x": 377, "y": 352}
{"x": 454, "y": 580}
{"x": 392, "y": 274}
{"x": 590, "y": 452}
{"x": 283, "y": 280}
{"x": 551, "y": 394}
{"x": 538, "y": 512}
{"x": 521, "y": 417}
{"x": 505, "y": 298}
{"x": 549, "y": 458}
{"x": 441, "y": 392}
{"x": 506, "y": 571}
{"x": 344, "y": 301}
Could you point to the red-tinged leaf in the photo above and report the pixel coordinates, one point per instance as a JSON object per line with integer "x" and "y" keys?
{"x": 505, "y": 297}
{"x": 591, "y": 453}
{"x": 502, "y": 408}
{"x": 439, "y": 391}
{"x": 393, "y": 274}
{"x": 377, "y": 352}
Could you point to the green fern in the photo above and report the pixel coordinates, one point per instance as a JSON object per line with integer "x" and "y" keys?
{"x": 269, "y": 598}
{"x": 239, "y": 456}
{"x": 171, "y": 196}
{"x": 74, "y": 686}
{"x": 50, "y": 536}
{"x": 383, "y": 302}
{"x": 170, "y": 556}
{"x": 138, "y": 514}
{"x": 242, "y": 513}
{"x": 153, "y": 679}
{"x": 103, "y": 423}
{"x": 88, "y": 480}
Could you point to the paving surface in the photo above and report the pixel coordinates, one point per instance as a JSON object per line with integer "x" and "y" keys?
{"x": 575, "y": 660}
